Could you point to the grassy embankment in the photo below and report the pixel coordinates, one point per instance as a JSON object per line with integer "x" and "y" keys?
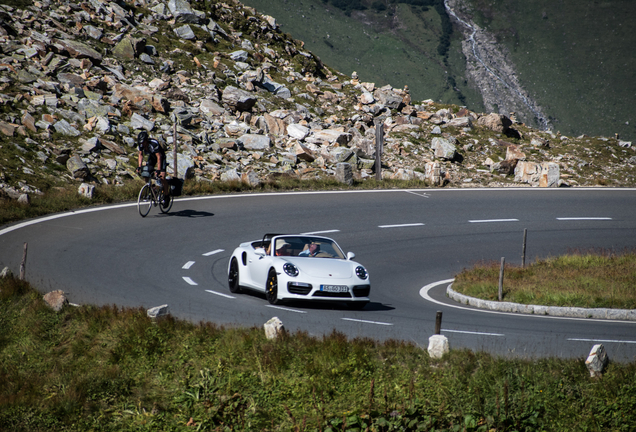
{"x": 110, "y": 369}
{"x": 589, "y": 280}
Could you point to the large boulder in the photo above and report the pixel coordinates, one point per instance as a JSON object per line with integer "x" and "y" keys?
{"x": 443, "y": 148}
{"x": 77, "y": 167}
{"x": 255, "y": 142}
{"x": 238, "y": 99}
{"x": 546, "y": 174}
{"x": 495, "y": 122}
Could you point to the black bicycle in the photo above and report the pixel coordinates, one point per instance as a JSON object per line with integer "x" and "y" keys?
{"x": 151, "y": 194}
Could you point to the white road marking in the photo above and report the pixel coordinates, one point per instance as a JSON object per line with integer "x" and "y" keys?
{"x": 401, "y": 225}
{"x": 583, "y": 218}
{"x": 367, "y": 322}
{"x": 423, "y": 195}
{"x": 472, "y": 333}
{"x": 190, "y": 281}
{"x": 493, "y": 220}
{"x": 602, "y": 340}
{"x": 286, "y": 309}
{"x": 187, "y": 265}
{"x": 321, "y": 232}
{"x": 424, "y": 294}
{"x": 213, "y": 252}
{"x": 220, "y": 294}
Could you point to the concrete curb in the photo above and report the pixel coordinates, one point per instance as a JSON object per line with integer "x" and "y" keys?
{"x": 571, "y": 312}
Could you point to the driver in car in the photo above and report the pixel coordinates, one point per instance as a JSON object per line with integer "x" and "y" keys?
{"x": 311, "y": 251}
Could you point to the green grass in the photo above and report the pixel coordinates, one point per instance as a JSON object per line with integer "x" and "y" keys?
{"x": 111, "y": 369}
{"x": 588, "y": 280}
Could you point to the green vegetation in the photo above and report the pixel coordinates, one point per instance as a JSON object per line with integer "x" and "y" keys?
{"x": 589, "y": 280}
{"x": 402, "y": 43}
{"x": 111, "y": 369}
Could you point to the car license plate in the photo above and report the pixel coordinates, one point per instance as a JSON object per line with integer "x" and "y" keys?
{"x": 334, "y": 288}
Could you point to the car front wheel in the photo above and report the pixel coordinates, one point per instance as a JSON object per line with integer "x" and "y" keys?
{"x": 233, "y": 277}
{"x": 271, "y": 290}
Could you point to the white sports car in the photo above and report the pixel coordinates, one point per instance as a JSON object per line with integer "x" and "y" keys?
{"x": 299, "y": 267}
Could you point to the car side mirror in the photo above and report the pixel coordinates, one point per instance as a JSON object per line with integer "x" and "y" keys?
{"x": 260, "y": 252}
{"x": 350, "y": 256}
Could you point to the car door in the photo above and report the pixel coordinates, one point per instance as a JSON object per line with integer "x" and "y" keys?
{"x": 259, "y": 265}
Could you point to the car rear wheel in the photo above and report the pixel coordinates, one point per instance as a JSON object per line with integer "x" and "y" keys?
{"x": 271, "y": 290}
{"x": 233, "y": 277}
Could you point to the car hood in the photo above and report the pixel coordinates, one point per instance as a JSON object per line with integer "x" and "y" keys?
{"x": 324, "y": 267}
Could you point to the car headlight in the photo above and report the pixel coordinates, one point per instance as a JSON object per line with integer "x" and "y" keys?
{"x": 290, "y": 269}
{"x": 361, "y": 272}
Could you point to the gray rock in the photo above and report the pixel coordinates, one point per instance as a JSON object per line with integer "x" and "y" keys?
{"x": 63, "y": 127}
{"x": 239, "y": 56}
{"x": 182, "y": 12}
{"x": 297, "y": 131}
{"x": 56, "y": 300}
{"x": 597, "y": 360}
{"x": 344, "y": 173}
{"x": 185, "y": 32}
{"x": 211, "y": 108}
{"x": 138, "y": 121}
{"x": 443, "y": 148}
{"x": 255, "y": 142}
{"x": 146, "y": 59}
{"x": 86, "y": 190}
{"x": 77, "y": 167}
{"x": 185, "y": 165}
{"x": 238, "y": 99}
{"x": 157, "y": 311}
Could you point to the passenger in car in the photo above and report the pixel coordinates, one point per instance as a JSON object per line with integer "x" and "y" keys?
{"x": 311, "y": 251}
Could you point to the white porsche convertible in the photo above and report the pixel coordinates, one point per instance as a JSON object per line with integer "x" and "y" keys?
{"x": 299, "y": 267}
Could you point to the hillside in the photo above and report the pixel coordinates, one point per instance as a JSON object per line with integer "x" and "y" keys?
{"x": 248, "y": 103}
{"x": 571, "y": 61}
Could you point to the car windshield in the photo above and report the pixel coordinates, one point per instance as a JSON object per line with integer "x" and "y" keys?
{"x": 316, "y": 247}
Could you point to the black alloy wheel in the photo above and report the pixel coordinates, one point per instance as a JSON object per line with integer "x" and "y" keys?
{"x": 271, "y": 290}
{"x": 233, "y": 277}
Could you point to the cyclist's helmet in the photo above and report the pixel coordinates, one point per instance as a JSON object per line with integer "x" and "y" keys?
{"x": 143, "y": 136}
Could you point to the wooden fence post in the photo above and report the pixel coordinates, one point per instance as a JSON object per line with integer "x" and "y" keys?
{"x": 523, "y": 252}
{"x": 379, "y": 147}
{"x": 23, "y": 263}
{"x": 438, "y": 323}
{"x": 501, "y": 276}
{"x": 174, "y": 150}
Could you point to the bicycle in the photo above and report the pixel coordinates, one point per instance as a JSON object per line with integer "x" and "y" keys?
{"x": 151, "y": 194}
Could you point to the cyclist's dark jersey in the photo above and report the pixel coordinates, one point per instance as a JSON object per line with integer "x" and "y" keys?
{"x": 153, "y": 148}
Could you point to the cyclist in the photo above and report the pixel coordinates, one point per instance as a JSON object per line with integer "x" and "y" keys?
{"x": 156, "y": 158}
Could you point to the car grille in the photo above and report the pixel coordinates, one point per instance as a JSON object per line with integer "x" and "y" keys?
{"x": 296, "y": 288}
{"x": 333, "y": 295}
{"x": 361, "y": 290}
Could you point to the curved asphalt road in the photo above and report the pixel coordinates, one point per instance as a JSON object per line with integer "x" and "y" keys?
{"x": 408, "y": 239}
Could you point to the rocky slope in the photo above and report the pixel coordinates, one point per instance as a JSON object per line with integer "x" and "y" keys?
{"x": 245, "y": 102}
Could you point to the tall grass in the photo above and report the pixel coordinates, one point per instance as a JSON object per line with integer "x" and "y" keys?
{"x": 600, "y": 279}
{"x": 113, "y": 369}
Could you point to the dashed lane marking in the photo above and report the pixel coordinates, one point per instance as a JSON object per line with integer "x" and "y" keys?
{"x": 286, "y": 309}
{"x": 582, "y": 218}
{"x": 472, "y": 333}
{"x": 367, "y": 322}
{"x": 602, "y": 340}
{"x": 493, "y": 220}
{"x": 321, "y": 232}
{"x": 220, "y": 294}
{"x": 213, "y": 252}
{"x": 401, "y": 225}
{"x": 190, "y": 281}
{"x": 187, "y": 265}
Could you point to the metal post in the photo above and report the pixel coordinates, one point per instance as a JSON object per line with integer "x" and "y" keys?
{"x": 523, "y": 253}
{"x": 501, "y": 276}
{"x": 23, "y": 263}
{"x": 438, "y": 323}
{"x": 379, "y": 139}
{"x": 174, "y": 150}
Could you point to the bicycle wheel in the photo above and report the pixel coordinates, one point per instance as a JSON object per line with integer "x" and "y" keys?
{"x": 144, "y": 202}
{"x": 168, "y": 207}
